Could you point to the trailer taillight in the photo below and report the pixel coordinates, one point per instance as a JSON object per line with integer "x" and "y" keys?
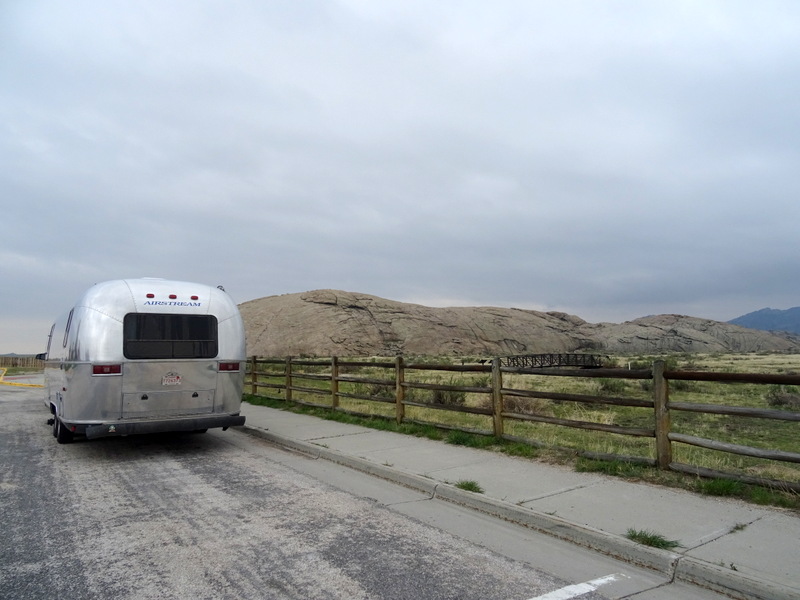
{"x": 229, "y": 366}
{"x": 106, "y": 369}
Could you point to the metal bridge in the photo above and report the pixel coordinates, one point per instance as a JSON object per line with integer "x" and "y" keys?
{"x": 536, "y": 361}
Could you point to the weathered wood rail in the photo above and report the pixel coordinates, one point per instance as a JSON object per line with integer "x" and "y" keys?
{"x": 289, "y": 376}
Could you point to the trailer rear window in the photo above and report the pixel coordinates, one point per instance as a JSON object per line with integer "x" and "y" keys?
{"x": 156, "y": 336}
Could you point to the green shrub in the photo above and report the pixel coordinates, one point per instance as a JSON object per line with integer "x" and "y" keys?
{"x": 469, "y": 486}
{"x": 616, "y": 468}
{"x": 640, "y": 364}
{"x": 382, "y": 390}
{"x": 611, "y": 386}
{"x": 720, "y": 487}
{"x": 459, "y": 438}
{"x": 783, "y": 396}
{"x": 681, "y": 385}
{"x": 457, "y": 398}
{"x": 519, "y": 449}
{"x": 523, "y": 406}
{"x": 483, "y": 381}
{"x": 645, "y": 363}
{"x": 371, "y": 389}
{"x": 473, "y": 440}
{"x": 652, "y": 539}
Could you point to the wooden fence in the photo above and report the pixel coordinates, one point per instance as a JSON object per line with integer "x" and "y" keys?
{"x": 21, "y": 361}
{"x": 343, "y": 386}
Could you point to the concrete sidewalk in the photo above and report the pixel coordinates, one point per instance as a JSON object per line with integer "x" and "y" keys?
{"x": 726, "y": 545}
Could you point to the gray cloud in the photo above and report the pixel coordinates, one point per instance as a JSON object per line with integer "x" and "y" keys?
{"x": 607, "y": 159}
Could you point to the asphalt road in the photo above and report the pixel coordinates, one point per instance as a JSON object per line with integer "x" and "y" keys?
{"x": 217, "y": 515}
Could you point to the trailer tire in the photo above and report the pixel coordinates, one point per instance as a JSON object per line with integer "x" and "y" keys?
{"x": 63, "y": 435}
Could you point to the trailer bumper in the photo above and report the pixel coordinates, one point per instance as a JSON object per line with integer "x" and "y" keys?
{"x": 185, "y": 424}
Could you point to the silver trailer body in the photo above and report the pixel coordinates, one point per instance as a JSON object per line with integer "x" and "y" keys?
{"x": 144, "y": 356}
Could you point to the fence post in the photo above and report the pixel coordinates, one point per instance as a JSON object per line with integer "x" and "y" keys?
{"x": 497, "y": 397}
{"x": 288, "y": 378}
{"x": 399, "y": 390}
{"x": 253, "y": 376}
{"x": 663, "y": 424}
{"x": 334, "y": 382}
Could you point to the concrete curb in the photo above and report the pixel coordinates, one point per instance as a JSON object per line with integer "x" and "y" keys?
{"x": 409, "y": 480}
{"x": 727, "y": 581}
{"x": 3, "y": 371}
{"x": 615, "y": 546}
{"x": 14, "y": 384}
{"x": 670, "y": 564}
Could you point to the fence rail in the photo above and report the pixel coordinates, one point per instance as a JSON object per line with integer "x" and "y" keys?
{"x": 363, "y": 385}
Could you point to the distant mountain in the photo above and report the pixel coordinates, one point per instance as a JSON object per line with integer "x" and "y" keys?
{"x": 337, "y": 323}
{"x": 771, "y": 319}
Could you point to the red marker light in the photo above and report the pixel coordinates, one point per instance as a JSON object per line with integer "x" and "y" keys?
{"x": 172, "y": 296}
{"x": 195, "y": 297}
{"x": 229, "y": 367}
{"x": 106, "y": 369}
{"x": 151, "y": 295}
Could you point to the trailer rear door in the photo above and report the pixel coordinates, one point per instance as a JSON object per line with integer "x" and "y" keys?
{"x": 168, "y": 388}
{"x": 170, "y": 369}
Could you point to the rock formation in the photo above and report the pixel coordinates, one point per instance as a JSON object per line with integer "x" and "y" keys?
{"x": 337, "y": 323}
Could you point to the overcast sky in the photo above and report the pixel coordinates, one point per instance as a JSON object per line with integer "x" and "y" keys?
{"x": 606, "y": 159}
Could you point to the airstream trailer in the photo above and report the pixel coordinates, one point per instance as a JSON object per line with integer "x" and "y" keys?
{"x": 145, "y": 356}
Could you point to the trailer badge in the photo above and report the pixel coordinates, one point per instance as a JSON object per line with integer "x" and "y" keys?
{"x": 112, "y": 429}
{"x": 171, "y": 303}
{"x": 171, "y": 378}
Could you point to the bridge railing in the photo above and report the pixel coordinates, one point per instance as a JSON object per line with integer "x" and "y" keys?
{"x": 543, "y": 361}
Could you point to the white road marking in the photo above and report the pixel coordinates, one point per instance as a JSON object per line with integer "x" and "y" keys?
{"x": 573, "y": 591}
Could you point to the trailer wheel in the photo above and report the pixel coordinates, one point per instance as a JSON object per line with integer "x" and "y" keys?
{"x": 63, "y": 435}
